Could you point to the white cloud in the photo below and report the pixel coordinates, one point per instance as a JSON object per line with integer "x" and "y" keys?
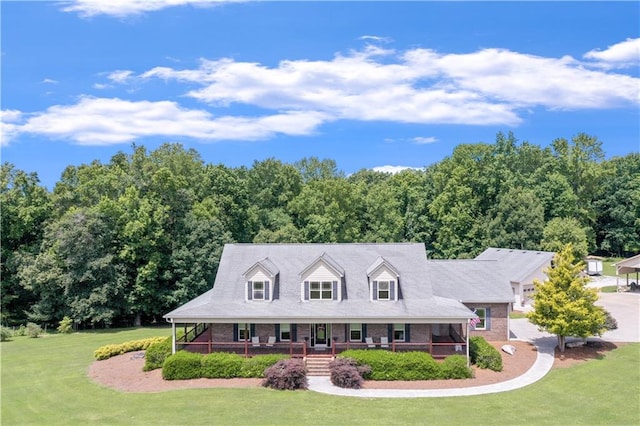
{"x": 101, "y": 121}
{"x": 49, "y": 81}
{"x": 120, "y": 76}
{"x": 490, "y": 86}
{"x": 124, "y": 8}
{"x": 9, "y": 123}
{"x": 620, "y": 55}
{"x": 394, "y": 169}
{"x": 424, "y": 141}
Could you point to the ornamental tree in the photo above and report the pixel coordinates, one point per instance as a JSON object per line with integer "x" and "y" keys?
{"x": 563, "y": 305}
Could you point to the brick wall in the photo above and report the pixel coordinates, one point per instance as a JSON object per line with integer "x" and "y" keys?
{"x": 499, "y": 330}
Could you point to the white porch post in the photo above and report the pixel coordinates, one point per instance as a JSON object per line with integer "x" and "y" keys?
{"x": 467, "y": 338}
{"x": 173, "y": 337}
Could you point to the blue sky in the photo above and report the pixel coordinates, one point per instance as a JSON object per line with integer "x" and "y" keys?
{"x": 368, "y": 84}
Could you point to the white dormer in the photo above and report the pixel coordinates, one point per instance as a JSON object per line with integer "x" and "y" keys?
{"x": 383, "y": 280}
{"x": 321, "y": 280}
{"x": 260, "y": 281}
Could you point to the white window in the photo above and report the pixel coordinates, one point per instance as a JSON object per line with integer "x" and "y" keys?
{"x": 242, "y": 329}
{"x": 321, "y": 290}
{"x": 383, "y": 290}
{"x": 355, "y": 332}
{"x": 285, "y": 332}
{"x": 258, "y": 290}
{"x": 398, "y": 332}
{"x": 482, "y": 316}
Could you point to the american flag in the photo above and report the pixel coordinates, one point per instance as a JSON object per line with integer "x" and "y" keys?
{"x": 474, "y": 321}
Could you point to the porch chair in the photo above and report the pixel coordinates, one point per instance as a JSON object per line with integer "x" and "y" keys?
{"x": 369, "y": 341}
{"x": 270, "y": 341}
{"x": 255, "y": 341}
{"x": 384, "y": 342}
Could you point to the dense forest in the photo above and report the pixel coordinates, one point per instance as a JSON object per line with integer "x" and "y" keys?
{"x": 125, "y": 242}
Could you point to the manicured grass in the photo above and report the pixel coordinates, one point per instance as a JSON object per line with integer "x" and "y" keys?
{"x": 44, "y": 382}
{"x": 609, "y": 289}
{"x": 607, "y": 266}
{"x": 517, "y": 315}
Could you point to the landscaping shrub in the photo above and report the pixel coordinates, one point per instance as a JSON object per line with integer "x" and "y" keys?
{"x": 346, "y": 373}
{"x": 108, "y": 351}
{"x": 483, "y": 354}
{"x": 65, "y": 325}
{"x": 21, "y": 331}
{"x": 286, "y": 374}
{"x": 156, "y": 354}
{"x": 221, "y": 365}
{"x": 455, "y": 367}
{"x": 5, "y": 333}
{"x": 386, "y": 365}
{"x": 33, "y": 330}
{"x": 257, "y": 365}
{"x": 182, "y": 365}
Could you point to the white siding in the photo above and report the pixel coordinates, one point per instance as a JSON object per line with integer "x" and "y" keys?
{"x": 320, "y": 272}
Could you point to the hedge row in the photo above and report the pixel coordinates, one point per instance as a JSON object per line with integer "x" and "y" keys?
{"x": 188, "y": 365}
{"x": 386, "y": 365}
{"x": 108, "y": 351}
{"x": 483, "y": 354}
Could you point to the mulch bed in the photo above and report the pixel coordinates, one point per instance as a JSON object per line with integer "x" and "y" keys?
{"x": 124, "y": 372}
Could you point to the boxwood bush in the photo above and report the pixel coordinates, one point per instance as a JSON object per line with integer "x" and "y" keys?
{"x": 386, "y": 365}
{"x": 217, "y": 365}
{"x": 455, "y": 367}
{"x": 156, "y": 354}
{"x": 483, "y": 354}
{"x": 108, "y": 351}
{"x": 182, "y": 365}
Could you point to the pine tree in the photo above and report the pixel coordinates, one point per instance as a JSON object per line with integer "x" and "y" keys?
{"x": 563, "y": 305}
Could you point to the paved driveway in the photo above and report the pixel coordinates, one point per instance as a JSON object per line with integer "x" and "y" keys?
{"x": 624, "y": 307}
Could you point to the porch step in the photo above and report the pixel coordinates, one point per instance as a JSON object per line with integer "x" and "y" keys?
{"x": 318, "y": 365}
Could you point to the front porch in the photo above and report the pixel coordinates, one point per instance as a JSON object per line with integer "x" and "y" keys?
{"x": 439, "y": 340}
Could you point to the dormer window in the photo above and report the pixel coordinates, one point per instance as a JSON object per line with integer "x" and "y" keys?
{"x": 321, "y": 279}
{"x": 262, "y": 279}
{"x": 258, "y": 290}
{"x": 383, "y": 280}
{"x": 383, "y": 290}
{"x": 321, "y": 290}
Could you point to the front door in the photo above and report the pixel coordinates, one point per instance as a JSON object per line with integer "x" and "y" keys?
{"x": 321, "y": 335}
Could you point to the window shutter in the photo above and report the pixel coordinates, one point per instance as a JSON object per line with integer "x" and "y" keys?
{"x": 235, "y": 332}
{"x": 407, "y": 337}
{"x": 390, "y": 332}
{"x": 306, "y": 290}
{"x": 266, "y": 290}
{"x": 364, "y": 332}
{"x": 335, "y": 290}
{"x": 277, "y": 332}
{"x": 375, "y": 290}
{"x": 249, "y": 290}
{"x": 487, "y": 320}
{"x": 294, "y": 332}
{"x": 392, "y": 290}
{"x": 252, "y": 330}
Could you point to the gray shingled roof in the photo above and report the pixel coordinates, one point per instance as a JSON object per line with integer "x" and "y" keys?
{"x": 471, "y": 281}
{"x": 518, "y": 265}
{"x": 225, "y": 302}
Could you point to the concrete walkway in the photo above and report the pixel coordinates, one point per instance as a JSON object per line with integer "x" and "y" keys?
{"x": 540, "y": 368}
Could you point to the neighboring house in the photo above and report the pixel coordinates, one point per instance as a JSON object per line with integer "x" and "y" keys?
{"x": 308, "y": 298}
{"x": 521, "y": 267}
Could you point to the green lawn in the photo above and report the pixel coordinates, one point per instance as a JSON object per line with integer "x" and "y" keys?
{"x": 44, "y": 382}
{"x": 607, "y": 265}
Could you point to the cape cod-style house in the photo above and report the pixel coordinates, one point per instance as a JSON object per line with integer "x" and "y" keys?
{"x": 324, "y": 298}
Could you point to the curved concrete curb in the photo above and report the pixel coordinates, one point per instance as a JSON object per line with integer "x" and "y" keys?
{"x": 544, "y": 362}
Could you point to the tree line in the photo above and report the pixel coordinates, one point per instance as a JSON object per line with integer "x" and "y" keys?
{"x": 125, "y": 242}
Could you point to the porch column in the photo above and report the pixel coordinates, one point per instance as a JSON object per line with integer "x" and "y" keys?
{"x": 173, "y": 337}
{"x": 467, "y": 339}
{"x": 210, "y": 338}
